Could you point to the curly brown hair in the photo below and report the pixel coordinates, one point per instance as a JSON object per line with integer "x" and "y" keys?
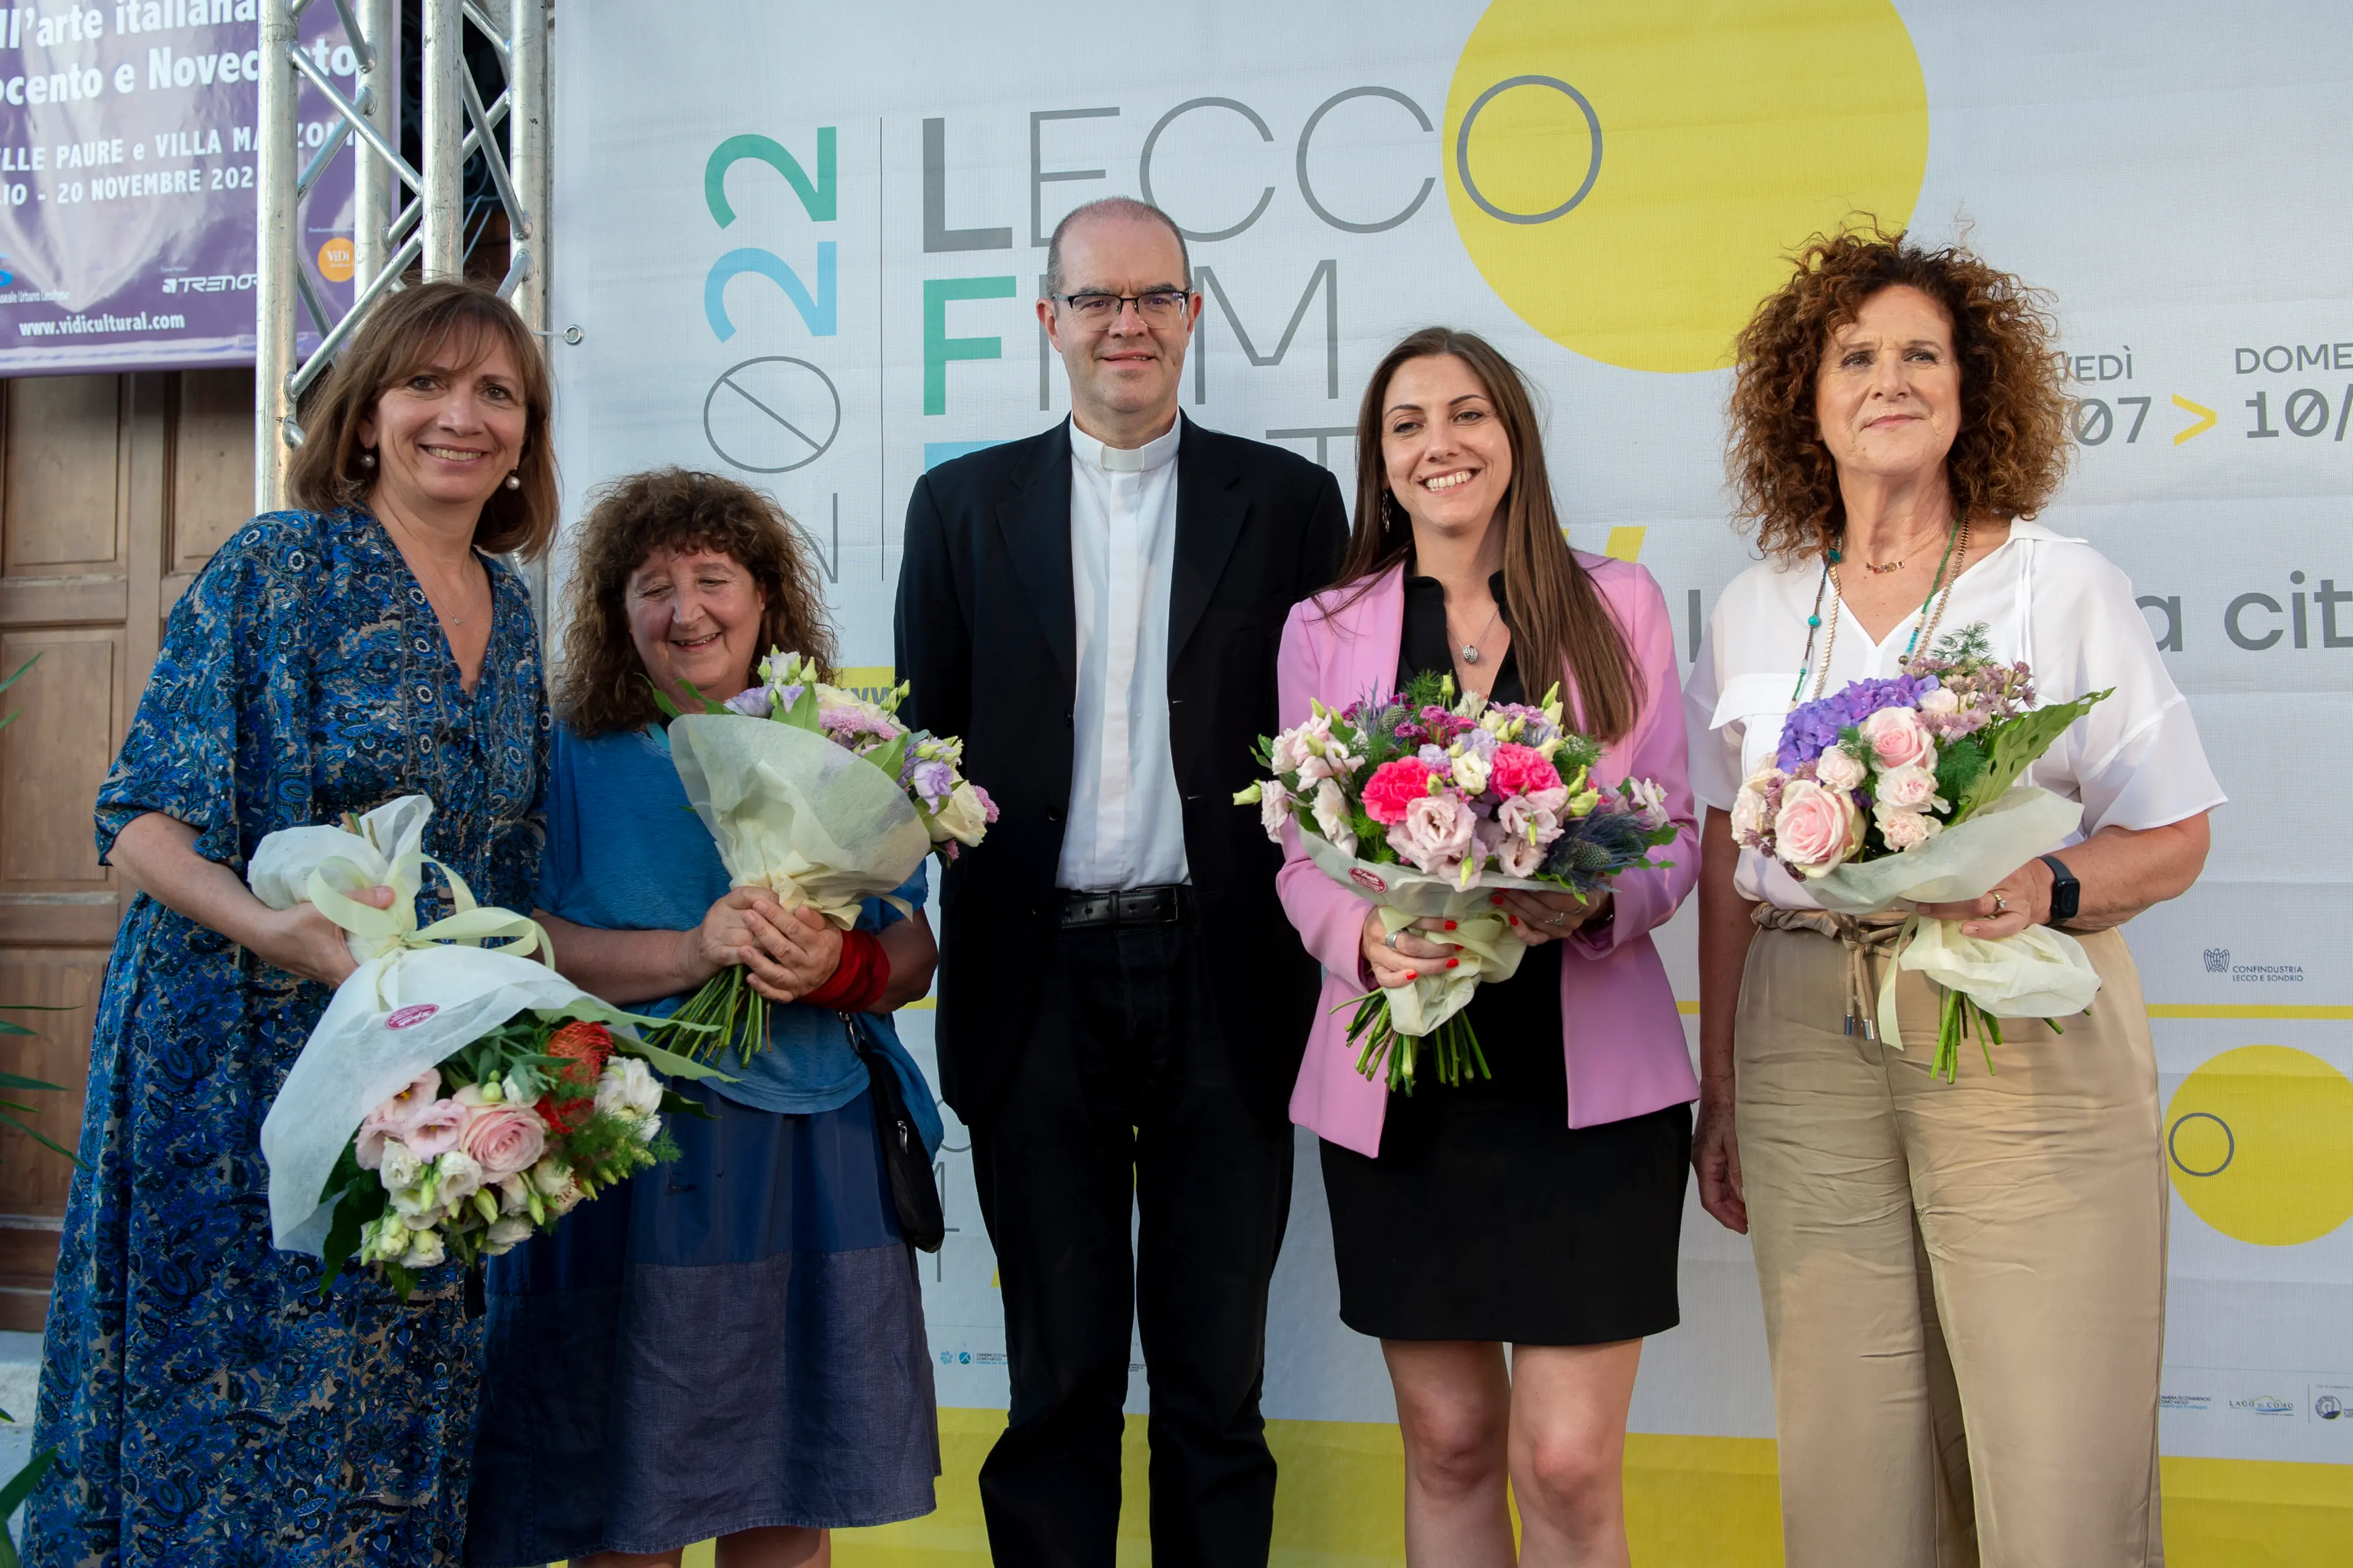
{"x": 2011, "y": 450}
{"x": 603, "y": 687}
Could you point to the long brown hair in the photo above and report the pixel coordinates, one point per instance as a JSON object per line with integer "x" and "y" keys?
{"x": 2012, "y": 449}
{"x": 603, "y": 687}
{"x": 1558, "y": 619}
{"x": 405, "y": 334}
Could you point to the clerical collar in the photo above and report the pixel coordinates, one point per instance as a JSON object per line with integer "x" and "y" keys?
{"x": 1125, "y": 460}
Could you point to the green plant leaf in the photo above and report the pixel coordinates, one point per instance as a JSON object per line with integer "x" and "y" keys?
{"x": 891, "y": 758}
{"x": 802, "y": 714}
{"x": 2012, "y": 745}
{"x": 20, "y": 1486}
{"x": 661, "y": 700}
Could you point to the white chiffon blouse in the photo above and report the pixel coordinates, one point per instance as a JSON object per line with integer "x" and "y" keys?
{"x": 2134, "y": 760}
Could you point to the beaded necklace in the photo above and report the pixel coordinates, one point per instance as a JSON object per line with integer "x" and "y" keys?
{"x": 1931, "y": 611}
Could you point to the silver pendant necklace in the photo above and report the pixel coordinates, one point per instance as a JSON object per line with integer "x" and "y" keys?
{"x": 1469, "y": 650}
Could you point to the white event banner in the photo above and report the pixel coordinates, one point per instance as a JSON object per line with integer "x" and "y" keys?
{"x": 801, "y": 246}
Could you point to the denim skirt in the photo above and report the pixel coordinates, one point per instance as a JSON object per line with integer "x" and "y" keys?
{"x": 731, "y": 1341}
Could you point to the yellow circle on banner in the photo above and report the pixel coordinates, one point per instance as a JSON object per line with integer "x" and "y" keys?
{"x": 337, "y": 259}
{"x": 1629, "y": 178}
{"x": 2258, "y": 1142}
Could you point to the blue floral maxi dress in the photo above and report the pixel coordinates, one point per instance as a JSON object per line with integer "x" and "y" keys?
{"x": 208, "y": 1406}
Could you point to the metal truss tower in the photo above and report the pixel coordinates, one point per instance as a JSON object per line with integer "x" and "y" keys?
{"x": 405, "y": 218}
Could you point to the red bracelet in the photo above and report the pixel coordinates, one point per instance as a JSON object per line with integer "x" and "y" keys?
{"x": 858, "y": 980}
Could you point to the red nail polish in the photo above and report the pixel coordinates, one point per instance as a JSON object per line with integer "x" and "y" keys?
{"x": 1449, "y": 925}
{"x": 1494, "y": 898}
{"x": 1453, "y": 964}
{"x": 1413, "y": 974}
{"x": 1516, "y": 920}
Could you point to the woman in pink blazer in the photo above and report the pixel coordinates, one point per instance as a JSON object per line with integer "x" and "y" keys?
{"x": 1541, "y": 1207}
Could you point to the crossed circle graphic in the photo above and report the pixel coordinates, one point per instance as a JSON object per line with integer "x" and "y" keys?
{"x": 777, "y": 414}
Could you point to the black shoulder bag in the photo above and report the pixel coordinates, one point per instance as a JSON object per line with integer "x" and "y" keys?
{"x": 913, "y": 1191}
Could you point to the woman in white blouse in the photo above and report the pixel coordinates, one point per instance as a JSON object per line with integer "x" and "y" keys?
{"x": 1963, "y": 1283}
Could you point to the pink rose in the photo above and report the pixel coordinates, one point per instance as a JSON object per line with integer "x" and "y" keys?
{"x": 503, "y": 1140}
{"x": 1898, "y": 739}
{"x": 1435, "y": 833}
{"x": 1393, "y": 787}
{"x": 1837, "y": 768}
{"x": 1521, "y": 769}
{"x": 434, "y": 1129}
{"x": 1907, "y": 788}
{"x": 1817, "y": 828}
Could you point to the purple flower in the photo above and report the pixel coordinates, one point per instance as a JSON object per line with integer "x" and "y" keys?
{"x": 1813, "y": 727}
{"x": 934, "y": 781}
{"x": 1434, "y": 755}
{"x": 753, "y": 701}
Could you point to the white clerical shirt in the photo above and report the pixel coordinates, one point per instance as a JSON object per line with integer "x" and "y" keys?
{"x": 1126, "y": 826}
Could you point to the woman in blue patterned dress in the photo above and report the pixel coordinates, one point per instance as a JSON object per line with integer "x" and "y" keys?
{"x": 210, "y": 1405}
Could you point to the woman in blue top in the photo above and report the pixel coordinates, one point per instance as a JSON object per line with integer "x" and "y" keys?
{"x": 732, "y": 1345}
{"x": 208, "y": 1404}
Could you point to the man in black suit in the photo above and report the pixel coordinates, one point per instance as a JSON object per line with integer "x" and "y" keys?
{"x": 1123, "y": 1005}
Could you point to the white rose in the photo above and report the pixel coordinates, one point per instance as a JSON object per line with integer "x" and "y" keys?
{"x": 961, "y": 816}
{"x": 1941, "y": 700}
{"x": 1470, "y": 771}
{"x": 629, "y": 1087}
{"x": 1837, "y": 768}
{"x": 505, "y": 1233}
{"x": 459, "y": 1177}
{"x": 1906, "y": 829}
{"x": 514, "y": 1195}
{"x": 425, "y": 1249}
{"x": 1273, "y": 808}
{"x": 401, "y": 1167}
{"x": 1332, "y": 818}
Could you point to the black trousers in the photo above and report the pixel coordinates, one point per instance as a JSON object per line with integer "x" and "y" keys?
{"x": 1124, "y": 1107}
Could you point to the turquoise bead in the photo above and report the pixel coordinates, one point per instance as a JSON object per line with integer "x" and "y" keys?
{"x": 1813, "y": 620}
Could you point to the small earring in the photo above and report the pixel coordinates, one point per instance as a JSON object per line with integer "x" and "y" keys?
{"x": 367, "y": 459}
{"x": 515, "y": 481}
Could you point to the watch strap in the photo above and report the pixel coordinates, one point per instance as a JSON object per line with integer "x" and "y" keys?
{"x": 2066, "y": 892}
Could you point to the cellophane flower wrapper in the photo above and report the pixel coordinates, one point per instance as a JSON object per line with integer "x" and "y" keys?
{"x": 1454, "y": 802}
{"x": 820, "y": 797}
{"x": 417, "y": 998}
{"x": 1895, "y": 793}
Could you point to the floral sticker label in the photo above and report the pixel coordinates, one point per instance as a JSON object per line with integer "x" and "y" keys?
{"x": 1368, "y": 880}
{"x": 409, "y": 1017}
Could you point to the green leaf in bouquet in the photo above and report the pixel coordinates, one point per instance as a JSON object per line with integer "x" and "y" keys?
{"x": 670, "y": 710}
{"x": 671, "y": 1063}
{"x": 2012, "y": 745}
{"x": 891, "y": 759}
{"x": 802, "y": 714}
{"x": 1958, "y": 764}
{"x": 12, "y": 1495}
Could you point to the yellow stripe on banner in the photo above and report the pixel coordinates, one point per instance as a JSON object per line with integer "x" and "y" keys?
{"x": 1691, "y": 1502}
{"x": 1625, "y": 543}
{"x": 2245, "y": 1010}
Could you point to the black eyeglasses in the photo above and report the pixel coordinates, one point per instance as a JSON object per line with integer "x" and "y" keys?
{"x": 1097, "y": 308}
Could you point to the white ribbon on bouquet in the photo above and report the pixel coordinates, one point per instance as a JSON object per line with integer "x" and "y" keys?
{"x": 418, "y": 996}
{"x": 2038, "y": 974}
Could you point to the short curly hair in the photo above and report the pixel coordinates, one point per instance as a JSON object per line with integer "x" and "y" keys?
{"x": 603, "y": 687}
{"x": 2011, "y": 450}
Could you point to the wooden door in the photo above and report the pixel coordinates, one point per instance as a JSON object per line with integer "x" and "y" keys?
{"x": 114, "y": 489}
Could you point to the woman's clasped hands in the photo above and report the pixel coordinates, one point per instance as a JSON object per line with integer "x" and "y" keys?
{"x": 785, "y": 953}
{"x": 1400, "y": 958}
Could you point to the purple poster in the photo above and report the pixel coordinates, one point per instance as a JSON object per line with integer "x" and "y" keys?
{"x": 126, "y": 183}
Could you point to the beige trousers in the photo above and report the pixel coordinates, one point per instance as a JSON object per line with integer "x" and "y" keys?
{"x": 1964, "y": 1283}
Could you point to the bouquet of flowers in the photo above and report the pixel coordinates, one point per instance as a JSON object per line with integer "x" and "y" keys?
{"x": 501, "y": 1140}
{"x": 1905, "y": 791}
{"x": 1426, "y": 806}
{"x": 822, "y": 798}
{"x": 446, "y": 1076}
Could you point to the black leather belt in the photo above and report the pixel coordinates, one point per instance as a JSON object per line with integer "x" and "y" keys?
{"x": 1127, "y": 907}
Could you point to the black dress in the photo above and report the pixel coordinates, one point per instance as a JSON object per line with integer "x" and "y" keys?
{"x": 1486, "y": 1216}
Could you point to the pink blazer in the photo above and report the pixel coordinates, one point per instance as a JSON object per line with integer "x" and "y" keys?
{"x": 1620, "y": 1037}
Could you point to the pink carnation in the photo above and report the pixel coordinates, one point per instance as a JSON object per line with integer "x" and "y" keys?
{"x": 1393, "y": 787}
{"x": 1521, "y": 769}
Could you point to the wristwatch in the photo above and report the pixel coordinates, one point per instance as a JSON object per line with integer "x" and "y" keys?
{"x": 2066, "y": 893}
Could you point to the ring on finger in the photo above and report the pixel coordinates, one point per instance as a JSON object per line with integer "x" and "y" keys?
{"x": 2000, "y": 904}
{"x": 1389, "y": 942}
